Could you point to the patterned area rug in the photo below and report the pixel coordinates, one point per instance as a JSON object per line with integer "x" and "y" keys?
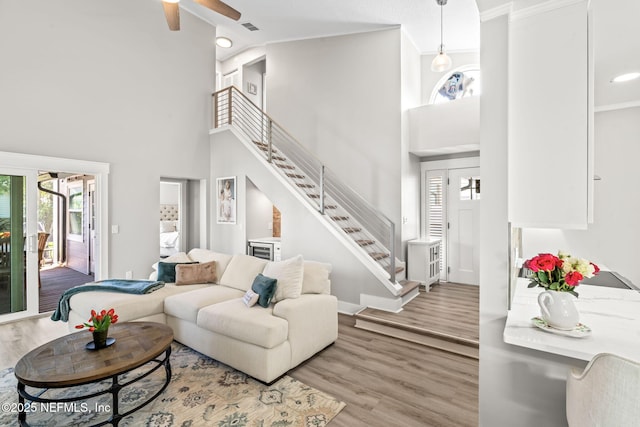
{"x": 202, "y": 392}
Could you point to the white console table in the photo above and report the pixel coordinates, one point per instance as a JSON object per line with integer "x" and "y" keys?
{"x": 424, "y": 261}
{"x": 612, "y": 314}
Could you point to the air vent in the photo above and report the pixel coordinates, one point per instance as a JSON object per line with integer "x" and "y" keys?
{"x": 249, "y": 26}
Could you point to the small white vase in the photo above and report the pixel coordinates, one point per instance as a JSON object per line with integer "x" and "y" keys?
{"x": 558, "y": 309}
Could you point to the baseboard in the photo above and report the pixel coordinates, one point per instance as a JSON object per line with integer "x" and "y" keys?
{"x": 349, "y": 308}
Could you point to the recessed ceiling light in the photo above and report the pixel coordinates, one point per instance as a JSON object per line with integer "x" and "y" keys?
{"x": 224, "y": 42}
{"x": 625, "y": 77}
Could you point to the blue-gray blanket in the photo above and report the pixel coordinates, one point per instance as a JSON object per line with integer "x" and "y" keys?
{"x": 138, "y": 287}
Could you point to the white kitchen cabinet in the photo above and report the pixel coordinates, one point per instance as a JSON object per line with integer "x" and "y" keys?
{"x": 423, "y": 261}
{"x": 550, "y": 147}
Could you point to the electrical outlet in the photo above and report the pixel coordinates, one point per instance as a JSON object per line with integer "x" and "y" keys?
{"x": 128, "y": 275}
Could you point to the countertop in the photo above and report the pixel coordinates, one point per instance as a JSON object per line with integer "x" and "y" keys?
{"x": 613, "y": 314}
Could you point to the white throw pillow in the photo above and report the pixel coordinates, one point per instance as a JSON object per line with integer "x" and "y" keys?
{"x": 250, "y": 298}
{"x": 241, "y": 271}
{"x": 289, "y": 274}
{"x": 316, "y": 278}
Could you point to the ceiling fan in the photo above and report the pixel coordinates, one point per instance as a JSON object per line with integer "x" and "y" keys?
{"x": 172, "y": 11}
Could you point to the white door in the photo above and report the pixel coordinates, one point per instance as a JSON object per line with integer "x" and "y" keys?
{"x": 463, "y": 221}
{"x": 92, "y": 225}
{"x": 18, "y": 243}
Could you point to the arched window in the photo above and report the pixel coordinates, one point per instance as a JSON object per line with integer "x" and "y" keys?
{"x": 460, "y": 83}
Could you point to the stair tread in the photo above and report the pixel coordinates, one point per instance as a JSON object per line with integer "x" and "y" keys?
{"x": 378, "y": 255}
{"x": 303, "y": 185}
{"x": 399, "y": 269}
{"x": 295, "y": 176}
{"x": 339, "y": 218}
{"x": 408, "y": 286}
{"x": 352, "y": 229}
{"x": 369, "y": 314}
{"x": 364, "y": 242}
{"x": 313, "y": 196}
{"x": 284, "y": 166}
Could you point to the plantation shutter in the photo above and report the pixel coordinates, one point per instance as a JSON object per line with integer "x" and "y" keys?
{"x": 436, "y": 218}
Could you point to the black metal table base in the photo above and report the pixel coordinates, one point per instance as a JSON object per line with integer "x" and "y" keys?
{"x": 114, "y": 390}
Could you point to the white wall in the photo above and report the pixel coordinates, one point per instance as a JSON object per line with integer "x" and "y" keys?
{"x": 341, "y": 98}
{"x": 410, "y": 164}
{"x": 108, "y": 82}
{"x": 169, "y": 193}
{"x": 259, "y": 212}
{"x": 613, "y": 237}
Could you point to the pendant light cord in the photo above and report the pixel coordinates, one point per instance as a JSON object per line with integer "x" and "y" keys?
{"x": 441, "y": 27}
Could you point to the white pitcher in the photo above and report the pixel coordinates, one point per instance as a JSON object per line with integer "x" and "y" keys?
{"x": 558, "y": 309}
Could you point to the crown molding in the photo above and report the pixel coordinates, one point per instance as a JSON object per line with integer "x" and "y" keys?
{"x": 495, "y": 12}
{"x": 547, "y": 6}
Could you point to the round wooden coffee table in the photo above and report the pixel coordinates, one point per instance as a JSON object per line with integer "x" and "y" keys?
{"x": 65, "y": 362}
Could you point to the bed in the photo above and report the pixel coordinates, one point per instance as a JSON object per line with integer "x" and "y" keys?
{"x": 169, "y": 230}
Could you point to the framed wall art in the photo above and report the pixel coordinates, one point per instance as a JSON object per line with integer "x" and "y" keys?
{"x": 226, "y": 196}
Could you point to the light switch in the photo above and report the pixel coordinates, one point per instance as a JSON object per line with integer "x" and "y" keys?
{"x": 115, "y": 229}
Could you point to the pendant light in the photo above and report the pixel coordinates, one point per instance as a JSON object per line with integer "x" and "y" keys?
{"x": 442, "y": 61}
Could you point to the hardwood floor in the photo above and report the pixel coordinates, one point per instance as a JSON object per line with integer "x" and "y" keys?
{"x": 390, "y": 382}
{"x": 445, "y": 317}
{"x": 383, "y": 380}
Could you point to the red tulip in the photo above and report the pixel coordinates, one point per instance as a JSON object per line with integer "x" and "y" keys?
{"x": 79, "y": 326}
{"x": 93, "y": 313}
{"x": 91, "y": 329}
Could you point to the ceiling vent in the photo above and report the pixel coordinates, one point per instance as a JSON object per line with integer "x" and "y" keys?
{"x": 249, "y": 26}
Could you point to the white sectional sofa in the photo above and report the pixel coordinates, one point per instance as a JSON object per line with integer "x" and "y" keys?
{"x": 263, "y": 342}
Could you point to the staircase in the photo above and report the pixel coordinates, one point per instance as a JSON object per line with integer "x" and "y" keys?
{"x": 366, "y": 228}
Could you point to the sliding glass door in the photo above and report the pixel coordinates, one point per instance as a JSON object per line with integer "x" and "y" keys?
{"x": 18, "y": 244}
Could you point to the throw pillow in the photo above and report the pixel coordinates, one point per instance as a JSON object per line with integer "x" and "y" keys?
{"x": 265, "y": 287}
{"x": 167, "y": 271}
{"x": 241, "y": 271}
{"x": 289, "y": 274}
{"x": 316, "y": 278}
{"x": 250, "y": 298}
{"x": 189, "y": 274}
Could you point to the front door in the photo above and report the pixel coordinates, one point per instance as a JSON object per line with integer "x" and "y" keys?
{"x": 463, "y": 221}
{"x": 18, "y": 244}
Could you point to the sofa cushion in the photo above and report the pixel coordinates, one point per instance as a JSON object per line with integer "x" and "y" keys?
{"x": 189, "y": 274}
{"x": 205, "y": 255}
{"x": 241, "y": 271}
{"x": 186, "y": 305}
{"x": 265, "y": 287}
{"x": 316, "y": 278}
{"x": 289, "y": 274}
{"x": 128, "y": 306}
{"x": 255, "y": 325}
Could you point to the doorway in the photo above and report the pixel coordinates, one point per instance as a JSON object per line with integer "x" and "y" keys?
{"x": 450, "y": 211}
{"x": 26, "y": 227}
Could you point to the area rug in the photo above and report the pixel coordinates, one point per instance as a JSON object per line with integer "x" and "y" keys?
{"x": 202, "y": 392}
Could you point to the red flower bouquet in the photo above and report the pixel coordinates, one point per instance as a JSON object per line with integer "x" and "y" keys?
{"x": 559, "y": 273}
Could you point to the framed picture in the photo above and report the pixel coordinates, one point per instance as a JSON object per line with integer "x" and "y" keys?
{"x": 226, "y": 196}
{"x": 252, "y": 88}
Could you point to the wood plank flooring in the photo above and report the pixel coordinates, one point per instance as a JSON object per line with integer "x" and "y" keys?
{"x": 55, "y": 281}
{"x": 383, "y": 380}
{"x": 445, "y": 317}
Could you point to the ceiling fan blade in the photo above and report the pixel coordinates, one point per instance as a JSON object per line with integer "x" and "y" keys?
{"x": 172, "y": 13}
{"x": 221, "y": 8}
